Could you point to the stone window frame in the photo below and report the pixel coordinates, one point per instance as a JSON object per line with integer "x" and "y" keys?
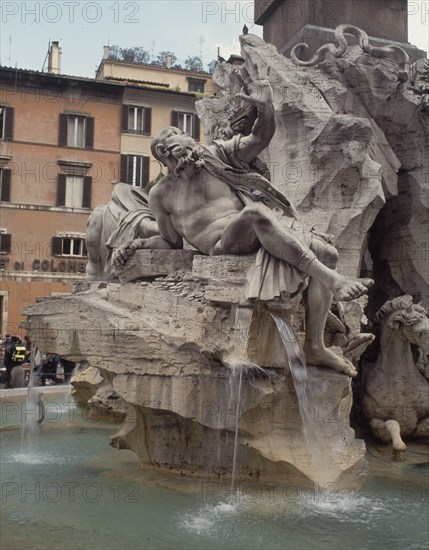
{"x": 61, "y": 237}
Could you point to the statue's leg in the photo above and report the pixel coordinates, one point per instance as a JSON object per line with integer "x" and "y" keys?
{"x": 394, "y": 429}
{"x": 378, "y": 428}
{"x": 388, "y": 430}
{"x": 317, "y": 304}
{"x": 257, "y": 223}
{"x": 94, "y": 267}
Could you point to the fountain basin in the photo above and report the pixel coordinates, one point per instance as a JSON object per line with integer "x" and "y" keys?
{"x": 76, "y": 492}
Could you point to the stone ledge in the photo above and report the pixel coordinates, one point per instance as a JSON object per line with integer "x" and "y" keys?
{"x": 228, "y": 268}
{"x": 155, "y": 263}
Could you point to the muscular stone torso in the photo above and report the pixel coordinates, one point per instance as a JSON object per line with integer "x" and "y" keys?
{"x": 200, "y": 207}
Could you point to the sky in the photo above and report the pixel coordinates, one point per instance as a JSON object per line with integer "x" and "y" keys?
{"x": 186, "y": 27}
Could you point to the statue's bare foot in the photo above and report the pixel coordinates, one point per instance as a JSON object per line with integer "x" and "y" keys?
{"x": 320, "y": 356}
{"x": 346, "y": 289}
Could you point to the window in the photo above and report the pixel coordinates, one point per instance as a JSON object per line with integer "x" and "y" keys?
{"x": 5, "y": 242}
{"x": 136, "y": 120}
{"x": 76, "y": 131}
{"x": 6, "y": 122}
{"x": 187, "y": 122}
{"x": 196, "y": 86}
{"x": 5, "y": 177}
{"x": 135, "y": 170}
{"x": 71, "y": 245}
{"x": 74, "y": 191}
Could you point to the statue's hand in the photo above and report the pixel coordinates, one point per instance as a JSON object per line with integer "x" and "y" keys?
{"x": 259, "y": 91}
{"x": 121, "y": 254}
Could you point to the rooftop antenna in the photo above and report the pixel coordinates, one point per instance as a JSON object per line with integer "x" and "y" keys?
{"x": 201, "y": 41}
{"x": 47, "y": 54}
{"x": 10, "y": 51}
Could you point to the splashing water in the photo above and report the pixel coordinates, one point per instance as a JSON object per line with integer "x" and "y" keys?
{"x": 322, "y": 458}
{"x": 33, "y": 416}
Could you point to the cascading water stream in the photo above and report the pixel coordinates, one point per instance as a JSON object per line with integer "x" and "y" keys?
{"x": 321, "y": 454}
{"x": 33, "y": 414}
{"x": 238, "y": 380}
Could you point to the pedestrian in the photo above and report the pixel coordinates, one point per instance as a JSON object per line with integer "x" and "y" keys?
{"x": 27, "y": 344}
{"x": 14, "y": 356}
{"x": 38, "y": 364}
{"x": 49, "y": 371}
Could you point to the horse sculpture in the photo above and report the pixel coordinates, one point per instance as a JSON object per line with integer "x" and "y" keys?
{"x": 396, "y": 400}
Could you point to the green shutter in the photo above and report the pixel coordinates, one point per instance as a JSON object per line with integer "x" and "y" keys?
{"x": 5, "y": 242}
{"x": 124, "y": 124}
{"x": 57, "y": 246}
{"x": 5, "y": 184}
{"x": 147, "y": 125}
{"x": 87, "y": 188}
{"x": 8, "y": 123}
{"x": 196, "y": 133}
{"x": 62, "y": 130}
{"x": 123, "y": 169}
{"x": 145, "y": 171}
{"x": 89, "y": 132}
{"x": 61, "y": 190}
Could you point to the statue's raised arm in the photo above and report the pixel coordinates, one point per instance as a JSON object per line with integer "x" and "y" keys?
{"x": 260, "y": 94}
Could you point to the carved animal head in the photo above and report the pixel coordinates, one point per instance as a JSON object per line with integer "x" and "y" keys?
{"x": 402, "y": 313}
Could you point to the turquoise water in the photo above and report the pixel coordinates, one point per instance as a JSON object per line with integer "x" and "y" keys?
{"x": 69, "y": 489}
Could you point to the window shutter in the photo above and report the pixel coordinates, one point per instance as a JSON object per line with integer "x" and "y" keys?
{"x": 145, "y": 171}
{"x": 57, "y": 246}
{"x": 5, "y": 242}
{"x": 61, "y": 190}
{"x": 5, "y": 184}
{"x": 174, "y": 118}
{"x": 147, "y": 121}
{"x": 62, "y": 130}
{"x": 123, "y": 169}
{"x": 8, "y": 123}
{"x": 87, "y": 187}
{"x": 124, "y": 123}
{"x": 196, "y": 135}
{"x": 85, "y": 250}
{"x": 89, "y": 132}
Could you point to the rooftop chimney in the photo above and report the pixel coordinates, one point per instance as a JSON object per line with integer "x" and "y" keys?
{"x": 169, "y": 62}
{"x": 105, "y": 52}
{"x": 54, "y": 59}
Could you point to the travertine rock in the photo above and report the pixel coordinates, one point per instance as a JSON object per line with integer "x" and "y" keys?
{"x": 154, "y": 263}
{"x": 169, "y": 356}
{"x": 345, "y": 129}
{"x": 92, "y": 388}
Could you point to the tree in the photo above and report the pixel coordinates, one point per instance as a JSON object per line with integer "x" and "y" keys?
{"x": 130, "y": 55}
{"x": 162, "y": 58}
{"x": 194, "y": 64}
{"x": 212, "y": 66}
{"x": 114, "y": 52}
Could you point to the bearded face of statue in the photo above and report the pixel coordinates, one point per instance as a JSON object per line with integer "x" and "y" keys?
{"x": 176, "y": 150}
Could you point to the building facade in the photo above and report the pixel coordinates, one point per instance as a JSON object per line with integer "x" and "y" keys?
{"x": 64, "y": 142}
{"x": 59, "y": 155}
{"x": 154, "y": 97}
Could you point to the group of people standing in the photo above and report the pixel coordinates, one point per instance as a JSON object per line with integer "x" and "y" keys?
{"x": 17, "y": 357}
